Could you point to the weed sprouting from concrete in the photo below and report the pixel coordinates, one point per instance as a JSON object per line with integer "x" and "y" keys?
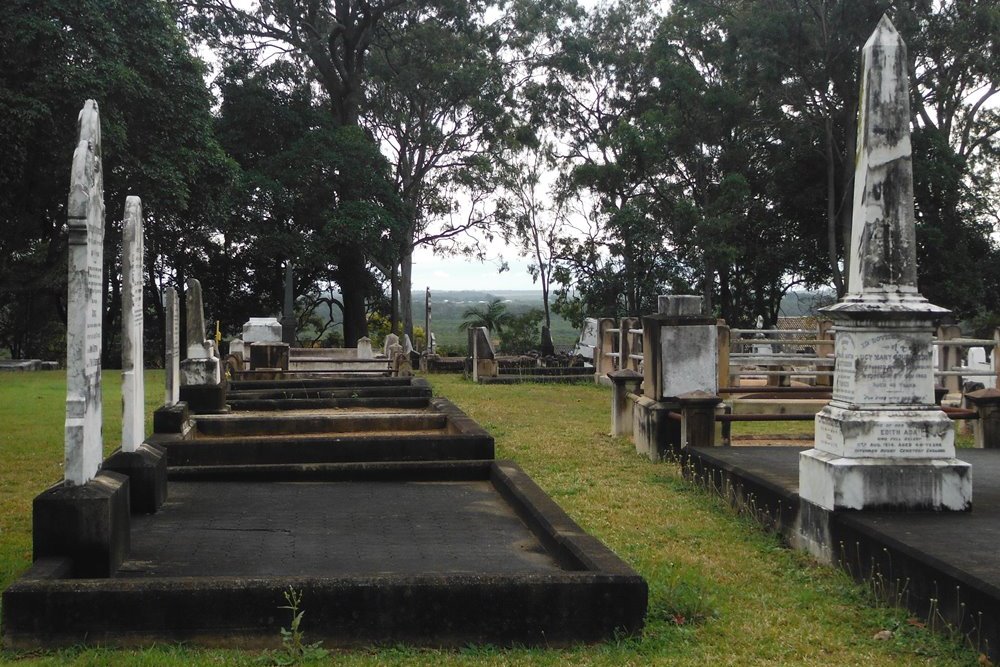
{"x": 293, "y": 649}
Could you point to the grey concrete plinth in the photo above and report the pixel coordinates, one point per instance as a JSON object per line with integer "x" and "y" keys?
{"x": 200, "y": 370}
{"x": 146, "y": 469}
{"x": 204, "y": 398}
{"x": 87, "y": 523}
{"x": 269, "y": 355}
{"x": 171, "y": 418}
{"x": 839, "y": 483}
{"x": 654, "y": 433}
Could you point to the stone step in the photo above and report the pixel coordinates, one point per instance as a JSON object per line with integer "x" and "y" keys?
{"x": 288, "y": 424}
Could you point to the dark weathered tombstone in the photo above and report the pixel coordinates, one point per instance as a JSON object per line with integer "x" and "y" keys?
{"x": 548, "y": 348}
{"x": 288, "y": 321}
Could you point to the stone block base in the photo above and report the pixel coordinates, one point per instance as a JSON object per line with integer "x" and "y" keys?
{"x": 654, "y": 434}
{"x": 146, "y": 469}
{"x": 171, "y": 418}
{"x": 893, "y": 485}
{"x": 200, "y": 371}
{"x": 204, "y": 398}
{"x": 269, "y": 355}
{"x": 88, "y": 524}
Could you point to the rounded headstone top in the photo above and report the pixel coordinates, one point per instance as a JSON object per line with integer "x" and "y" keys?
{"x": 679, "y": 304}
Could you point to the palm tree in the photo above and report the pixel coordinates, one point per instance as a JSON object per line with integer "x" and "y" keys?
{"x": 493, "y": 316}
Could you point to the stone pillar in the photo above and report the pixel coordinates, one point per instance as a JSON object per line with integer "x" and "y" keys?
{"x": 622, "y": 383}
{"x": 698, "y": 418}
{"x": 881, "y": 443}
{"x": 604, "y": 364}
{"x": 428, "y": 341}
{"x": 987, "y": 427}
{"x": 724, "y": 344}
{"x": 288, "y": 321}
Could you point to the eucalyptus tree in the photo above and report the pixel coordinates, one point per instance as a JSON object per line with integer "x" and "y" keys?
{"x": 332, "y": 39}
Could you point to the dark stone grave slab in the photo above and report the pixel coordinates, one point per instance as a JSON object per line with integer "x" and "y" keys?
{"x": 949, "y": 557}
{"x": 439, "y": 554}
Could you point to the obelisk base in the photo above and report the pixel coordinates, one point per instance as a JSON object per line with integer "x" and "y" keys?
{"x": 884, "y": 484}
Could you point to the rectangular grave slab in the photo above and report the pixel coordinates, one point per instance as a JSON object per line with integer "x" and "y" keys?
{"x": 438, "y": 433}
{"x": 431, "y": 554}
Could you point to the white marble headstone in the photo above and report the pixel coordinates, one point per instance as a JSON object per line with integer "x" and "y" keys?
{"x": 262, "y": 330}
{"x": 365, "y": 348}
{"x": 84, "y": 305}
{"x": 133, "y": 387}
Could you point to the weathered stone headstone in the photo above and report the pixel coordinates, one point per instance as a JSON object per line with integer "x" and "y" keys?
{"x": 390, "y": 340}
{"x": 84, "y": 306}
{"x": 484, "y": 362}
{"x": 365, "y": 348}
{"x": 407, "y": 344}
{"x": 288, "y": 321}
{"x": 85, "y": 517}
{"x": 133, "y": 387}
{"x": 202, "y": 364}
{"x": 680, "y": 349}
{"x": 881, "y": 443}
{"x": 548, "y": 348}
{"x": 172, "y": 362}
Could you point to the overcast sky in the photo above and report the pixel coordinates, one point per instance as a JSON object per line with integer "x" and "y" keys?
{"x": 460, "y": 273}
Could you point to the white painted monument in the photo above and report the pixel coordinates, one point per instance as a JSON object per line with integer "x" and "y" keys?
{"x": 85, "y": 307}
{"x": 365, "y": 348}
{"x": 261, "y": 330}
{"x": 881, "y": 443}
{"x": 202, "y": 363}
{"x": 133, "y": 387}
{"x": 172, "y": 363}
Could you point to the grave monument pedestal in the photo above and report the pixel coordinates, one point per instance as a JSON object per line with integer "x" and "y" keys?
{"x": 882, "y": 443}
{"x": 146, "y": 468}
{"x": 88, "y": 523}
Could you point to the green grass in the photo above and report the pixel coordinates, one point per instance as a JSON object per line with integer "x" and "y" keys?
{"x": 721, "y": 590}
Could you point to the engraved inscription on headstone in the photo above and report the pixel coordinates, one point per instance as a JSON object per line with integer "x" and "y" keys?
{"x": 133, "y": 388}
{"x": 85, "y": 213}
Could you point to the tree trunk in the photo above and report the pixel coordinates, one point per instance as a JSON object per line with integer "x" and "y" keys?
{"x": 406, "y": 288}
{"x": 847, "y": 198}
{"x": 352, "y": 276}
{"x": 831, "y": 208}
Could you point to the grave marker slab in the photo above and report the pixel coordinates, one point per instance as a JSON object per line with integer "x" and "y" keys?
{"x": 133, "y": 387}
{"x": 84, "y": 309}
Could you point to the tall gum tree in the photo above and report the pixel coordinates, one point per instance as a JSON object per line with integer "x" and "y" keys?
{"x": 333, "y": 38}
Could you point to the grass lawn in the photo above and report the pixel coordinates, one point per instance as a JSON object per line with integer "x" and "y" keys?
{"x": 721, "y": 591}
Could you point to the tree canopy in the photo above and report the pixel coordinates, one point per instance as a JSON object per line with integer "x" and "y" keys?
{"x": 629, "y": 149}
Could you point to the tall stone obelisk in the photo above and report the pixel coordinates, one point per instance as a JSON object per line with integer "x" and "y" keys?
{"x": 881, "y": 443}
